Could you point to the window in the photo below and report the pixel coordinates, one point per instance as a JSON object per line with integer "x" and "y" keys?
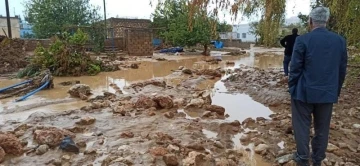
{"x": 238, "y": 35}
{"x": 243, "y": 35}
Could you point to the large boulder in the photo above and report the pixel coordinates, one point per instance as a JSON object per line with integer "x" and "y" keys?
{"x": 164, "y": 102}
{"x": 145, "y": 102}
{"x": 10, "y": 144}
{"x": 51, "y": 136}
{"x": 81, "y": 91}
{"x": 217, "y": 109}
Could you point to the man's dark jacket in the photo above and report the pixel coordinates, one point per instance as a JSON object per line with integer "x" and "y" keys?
{"x": 288, "y": 42}
{"x": 318, "y": 67}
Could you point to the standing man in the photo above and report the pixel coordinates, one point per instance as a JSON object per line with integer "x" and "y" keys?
{"x": 288, "y": 42}
{"x": 317, "y": 73}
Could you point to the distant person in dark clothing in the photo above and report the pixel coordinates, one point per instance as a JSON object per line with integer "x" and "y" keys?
{"x": 288, "y": 42}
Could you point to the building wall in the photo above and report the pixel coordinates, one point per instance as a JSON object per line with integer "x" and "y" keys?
{"x": 119, "y": 25}
{"x": 15, "y": 26}
{"x": 243, "y": 33}
{"x": 139, "y": 42}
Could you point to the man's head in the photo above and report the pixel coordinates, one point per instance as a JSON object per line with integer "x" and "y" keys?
{"x": 319, "y": 17}
{"x": 295, "y": 31}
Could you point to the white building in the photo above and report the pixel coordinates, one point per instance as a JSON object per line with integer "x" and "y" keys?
{"x": 243, "y": 32}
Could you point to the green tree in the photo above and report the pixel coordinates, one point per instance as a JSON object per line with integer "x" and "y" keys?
{"x": 50, "y": 17}
{"x": 173, "y": 16}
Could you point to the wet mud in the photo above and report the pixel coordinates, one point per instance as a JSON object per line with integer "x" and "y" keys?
{"x": 178, "y": 111}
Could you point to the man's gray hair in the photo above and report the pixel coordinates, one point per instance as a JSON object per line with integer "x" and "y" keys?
{"x": 320, "y": 15}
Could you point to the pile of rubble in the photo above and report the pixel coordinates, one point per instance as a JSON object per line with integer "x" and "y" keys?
{"x": 12, "y": 55}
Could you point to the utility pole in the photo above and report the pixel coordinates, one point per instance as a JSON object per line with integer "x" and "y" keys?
{"x": 105, "y": 20}
{"x": 8, "y": 18}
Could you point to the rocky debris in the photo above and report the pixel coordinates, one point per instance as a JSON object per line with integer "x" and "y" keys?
{"x": 67, "y": 144}
{"x": 76, "y": 129}
{"x": 81, "y": 143}
{"x": 331, "y": 147}
{"x": 81, "y": 91}
{"x": 161, "y": 59}
{"x": 181, "y": 67}
{"x": 198, "y": 159}
{"x": 206, "y": 114}
{"x": 12, "y": 55}
{"x": 230, "y": 63}
{"x": 90, "y": 151}
{"x": 2, "y": 154}
{"x": 127, "y": 134}
{"x": 285, "y": 159}
{"x": 86, "y": 121}
{"x": 187, "y": 71}
{"x": 170, "y": 160}
{"x": 198, "y": 103}
{"x": 151, "y": 113}
{"x": 169, "y": 115}
{"x": 179, "y": 102}
{"x": 145, "y": 102}
{"x": 158, "y": 151}
{"x": 164, "y": 102}
{"x": 261, "y": 148}
{"x": 214, "y": 108}
{"x": 173, "y": 148}
{"x": 42, "y": 149}
{"x": 134, "y": 66}
{"x": 10, "y": 144}
{"x": 159, "y": 83}
{"x": 356, "y": 126}
{"x": 209, "y": 72}
{"x": 51, "y": 136}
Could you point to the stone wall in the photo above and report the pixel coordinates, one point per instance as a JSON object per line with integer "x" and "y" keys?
{"x": 119, "y": 25}
{"x": 236, "y": 43}
{"x": 139, "y": 41}
{"x": 119, "y": 43}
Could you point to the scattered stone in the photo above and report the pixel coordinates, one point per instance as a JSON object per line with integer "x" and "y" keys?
{"x": 181, "y": 67}
{"x": 52, "y": 136}
{"x": 81, "y": 144}
{"x": 42, "y": 149}
{"x": 67, "y": 144}
{"x": 196, "y": 103}
{"x": 173, "y": 148}
{"x": 206, "y": 114}
{"x": 218, "y": 144}
{"x": 331, "y": 147}
{"x": 214, "y": 108}
{"x": 356, "y": 126}
{"x": 196, "y": 146}
{"x": 285, "y": 159}
{"x": 244, "y": 138}
{"x": 86, "y": 121}
{"x": 80, "y": 91}
{"x": 198, "y": 159}
{"x": 66, "y": 157}
{"x": 170, "y": 160}
{"x": 261, "y": 148}
{"x": 145, "y": 102}
{"x": 342, "y": 145}
{"x": 158, "y": 151}
{"x": 127, "y": 134}
{"x": 10, "y": 144}
{"x": 134, "y": 66}
{"x": 164, "y": 102}
{"x": 151, "y": 113}
{"x": 56, "y": 162}
{"x": 76, "y": 129}
{"x": 2, "y": 154}
{"x": 19, "y": 133}
{"x": 90, "y": 151}
{"x": 169, "y": 115}
{"x": 187, "y": 71}
{"x": 209, "y": 72}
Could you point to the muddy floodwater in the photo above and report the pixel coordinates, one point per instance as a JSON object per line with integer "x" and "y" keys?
{"x": 238, "y": 106}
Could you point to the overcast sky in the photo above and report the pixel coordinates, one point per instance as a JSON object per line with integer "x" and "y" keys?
{"x": 142, "y": 9}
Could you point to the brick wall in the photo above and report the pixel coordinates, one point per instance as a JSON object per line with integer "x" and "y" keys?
{"x": 118, "y": 42}
{"x": 139, "y": 42}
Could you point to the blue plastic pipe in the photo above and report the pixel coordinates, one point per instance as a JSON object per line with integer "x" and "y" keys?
{"x": 33, "y": 92}
{"x": 15, "y": 85}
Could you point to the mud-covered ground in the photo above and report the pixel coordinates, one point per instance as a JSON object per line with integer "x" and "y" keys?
{"x": 171, "y": 110}
{"x": 270, "y": 88}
